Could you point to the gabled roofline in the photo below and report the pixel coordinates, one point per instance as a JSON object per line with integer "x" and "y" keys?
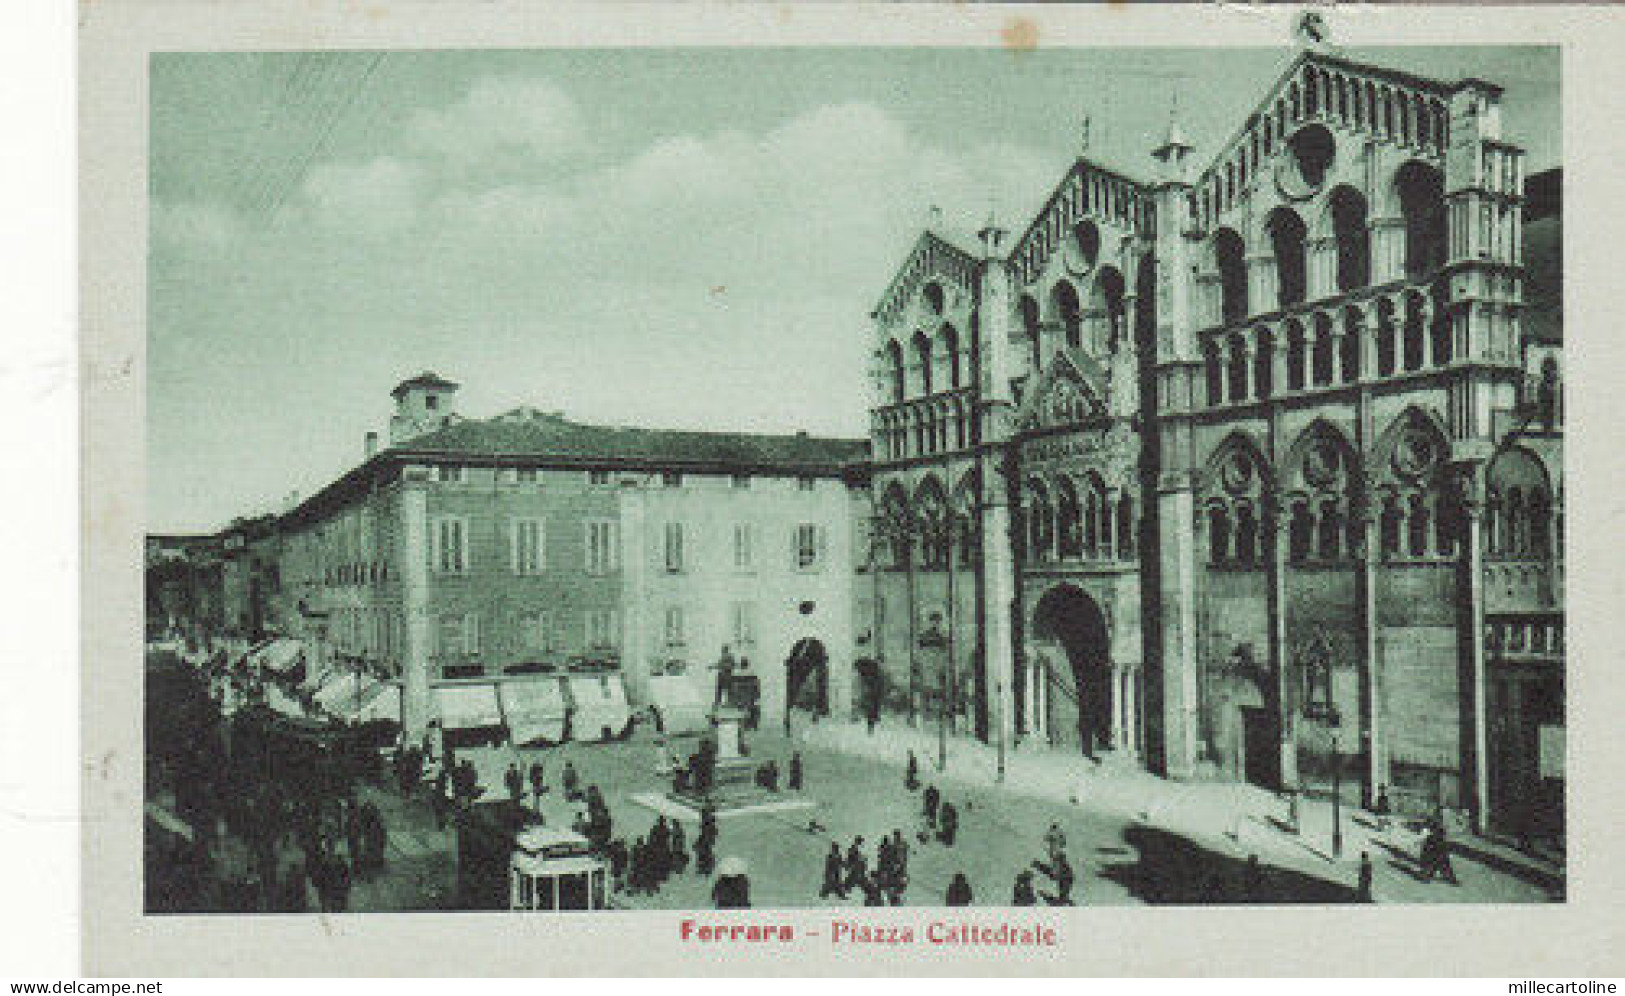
{"x": 1077, "y": 167}
{"x": 1438, "y": 88}
{"x": 927, "y": 236}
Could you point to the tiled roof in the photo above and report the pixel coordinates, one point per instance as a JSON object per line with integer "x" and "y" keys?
{"x": 427, "y": 378}
{"x": 551, "y": 436}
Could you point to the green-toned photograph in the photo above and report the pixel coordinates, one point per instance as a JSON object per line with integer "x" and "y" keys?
{"x": 718, "y": 478}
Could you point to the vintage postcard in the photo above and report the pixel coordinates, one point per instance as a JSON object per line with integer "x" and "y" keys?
{"x": 837, "y": 489}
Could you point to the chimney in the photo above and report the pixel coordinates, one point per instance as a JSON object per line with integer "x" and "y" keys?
{"x": 372, "y": 445}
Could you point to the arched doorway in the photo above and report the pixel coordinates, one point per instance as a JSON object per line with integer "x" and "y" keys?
{"x": 1078, "y": 694}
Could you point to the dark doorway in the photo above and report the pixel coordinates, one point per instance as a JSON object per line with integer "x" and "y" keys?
{"x": 1068, "y": 617}
{"x": 1261, "y": 737}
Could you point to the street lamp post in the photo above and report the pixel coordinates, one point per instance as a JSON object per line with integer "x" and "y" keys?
{"x": 1337, "y": 799}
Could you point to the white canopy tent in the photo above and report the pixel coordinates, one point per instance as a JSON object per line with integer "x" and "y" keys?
{"x": 600, "y": 709}
{"x": 536, "y": 709}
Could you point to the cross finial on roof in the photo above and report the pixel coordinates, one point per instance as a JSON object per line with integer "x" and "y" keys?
{"x": 1083, "y": 134}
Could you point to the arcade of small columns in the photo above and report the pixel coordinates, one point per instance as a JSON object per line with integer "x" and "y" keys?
{"x": 1364, "y": 337}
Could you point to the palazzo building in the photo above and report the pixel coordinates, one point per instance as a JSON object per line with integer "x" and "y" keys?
{"x": 472, "y": 549}
{"x": 1248, "y": 468}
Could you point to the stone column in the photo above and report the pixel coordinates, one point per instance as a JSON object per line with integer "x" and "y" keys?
{"x": 1473, "y": 563}
{"x": 1371, "y": 628}
{"x": 1262, "y": 283}
{"x": 417, "y": 707}
{"x": 1278, "y": 648}
{"x": 1387, "y": 249}
{"x": 1322, "y": 275}
{"x": 1279, "y": 382}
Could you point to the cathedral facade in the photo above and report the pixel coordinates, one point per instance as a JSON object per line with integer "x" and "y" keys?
{"x": 1248, "y": 469}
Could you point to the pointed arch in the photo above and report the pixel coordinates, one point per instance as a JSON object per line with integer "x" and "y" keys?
{"x": 1106, "y": 298}
{"x": 1068, "y": 311}
{"x": 1230, "y": 259}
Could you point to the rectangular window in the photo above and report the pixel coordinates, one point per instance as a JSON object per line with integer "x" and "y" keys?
{"x": 527, "y": 475}
{"x": 674, "y": 547}
{"x": 448, "y": 637}
{"x": 741, "y": 481}
{"x": 744, "y": 556}
{"x": 809, "y": 546}
{"x": 806, "y": 483}
{"x": 528, "y": 546}
{"x": 603, "y": 628}
{"x": 448, "y": 545}
{"x": 671, "y": 479}
{"x": 598, "y": 478}
{"x": 535, "y": 631}
{"x": 603, "y": 554}
{"x": 674, "y": 625}
{"x": 742, "y": 626}
{"x": 448, "y": 473}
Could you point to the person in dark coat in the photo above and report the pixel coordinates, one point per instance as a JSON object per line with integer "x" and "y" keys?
{"x": 1252, "y": 880}
{"x": 873, "y": 894}
{"x": 1023, "y": 894}
{"x": 618, "y": 858}
{"x": 949, "y": 824}
{"x": 1363, "y": 890}
{"x": 1436, "y": 855}
{"x": 515, "y": 782}
{"x": 572, "y": 782}
{"x": 833, "y": 883}
{"x": 679, "y": 848}
{"x": 1381, "y": 809}
{"x": 439, "y": 803}
{"x": 959, "y": 893}
{"x": 794, "y": 783}
{"x": 857, "y": 867}
{"x": 932, "y": 799}
{"x": 374, "y": 835}
{"x": 731, "y": 892}
{"x": 1063, "y": 881}
{"x": 911, "y": 776}
{"x": 705, "y": 854}
{"x": 538, "y": 782}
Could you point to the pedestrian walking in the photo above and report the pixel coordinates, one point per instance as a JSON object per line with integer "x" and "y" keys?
{"x": 959, "y": 893}
{"x": 679, "y": 848}
{"x": 515, "y": 782}
{"x": 572, "y": 782}
{"x": 911, "y": 775}
{"x": 1363, "y": 890}
{"x": 857, "y": 867}
{"x": 1054, "y": 842}
{"x": 873, "y": 894}
{"x": 794, "y": 783}
{"x": 538, "y": 782}
{"x": 1252, "y": 880}
{"x": 931, "y": 801}
{"x": 1381, "y": 808}
{"x": 1023, "y": 894}
{"x": 833, "y": 881}
{"x": 949, "y": 824}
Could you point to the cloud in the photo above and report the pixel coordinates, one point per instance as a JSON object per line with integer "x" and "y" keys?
{"x": 499, "y": 118}
{"x": 193, "y": 224}
{"x": 382, "y": 195}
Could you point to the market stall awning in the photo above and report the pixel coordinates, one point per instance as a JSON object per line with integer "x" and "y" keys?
{"x": 283, "y": 703}
{"x": 375, "y": 700}
{"x": 535, "y": 709}
{"x": 467, "y": 707}
{"x": 600, "y": 707}
{"x": 679, "y": 703}
{"x": 281, "y": 655}
{"x": 340, "y": 689}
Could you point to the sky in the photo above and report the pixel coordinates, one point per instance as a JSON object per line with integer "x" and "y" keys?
{"x": 690, "y": 238}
